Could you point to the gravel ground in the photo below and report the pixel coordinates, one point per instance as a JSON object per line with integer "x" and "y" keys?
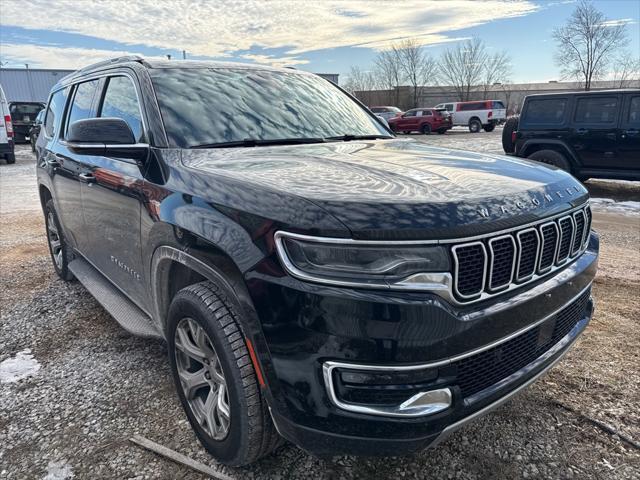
{"x": 97, "y": 385}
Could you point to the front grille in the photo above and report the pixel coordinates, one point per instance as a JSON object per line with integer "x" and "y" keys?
{"x": 496, "y": 263}
{"x": 483, "y": 370}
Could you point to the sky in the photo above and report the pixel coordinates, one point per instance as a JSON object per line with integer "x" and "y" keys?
{"x": 320, "y": 36}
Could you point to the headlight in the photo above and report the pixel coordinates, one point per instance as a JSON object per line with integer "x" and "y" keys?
{"x": 357, "y": 263}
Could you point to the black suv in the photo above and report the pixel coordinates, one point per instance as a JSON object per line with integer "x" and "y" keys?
{"x": 590, "y": 134}
{"x": 315, "y": 277}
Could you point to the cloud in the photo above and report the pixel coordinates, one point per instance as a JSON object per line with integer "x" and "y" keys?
{"x": 50, "y": 56}
{"x": 219, "y": 28}
{"x": 618, "y": 22}
{"x": 274, "y": 61}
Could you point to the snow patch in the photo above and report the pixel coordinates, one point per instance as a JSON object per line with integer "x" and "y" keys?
{"x": 21, "y": 366}
{"x": 58, "y": 471}
{"x": 610, "y": 205}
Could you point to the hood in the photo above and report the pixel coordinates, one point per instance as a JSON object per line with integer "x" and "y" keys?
{"x": 401, "y": 188}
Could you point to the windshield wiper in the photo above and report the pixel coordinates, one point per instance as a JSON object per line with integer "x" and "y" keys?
{"x": 253, "y": 142}
{"x": 348, "y": 138}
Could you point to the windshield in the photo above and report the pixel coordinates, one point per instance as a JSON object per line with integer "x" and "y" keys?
{"x": 217, "y": 105}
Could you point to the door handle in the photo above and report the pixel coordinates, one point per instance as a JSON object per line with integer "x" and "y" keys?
{"x": 611, "y": 136}
{"x": 52, "y": 161}
{"x": 582, "y": 131}
{"x": 87, "y": 178}
{"x": 632, "y": 131}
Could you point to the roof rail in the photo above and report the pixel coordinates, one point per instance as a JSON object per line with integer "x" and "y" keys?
{"x": 104, "y": 63}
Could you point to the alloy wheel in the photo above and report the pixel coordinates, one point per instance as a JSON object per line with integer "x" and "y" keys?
{"x": 54, "y": 240}
{"x": 202, "y": 379}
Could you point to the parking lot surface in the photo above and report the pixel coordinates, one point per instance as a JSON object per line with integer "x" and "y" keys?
{"x": 87, "y": 385}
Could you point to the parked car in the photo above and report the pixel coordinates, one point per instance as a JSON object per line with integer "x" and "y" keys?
{"x": 6, "y": 130}
{"x": 386, "y": 112}
{"x": 423, "y": 120}
{"x": 314, "y": 277}
{"x": 589, "y": 134}
{"x": 23, "y": 114}
{"x": 34, "y": 131}
{"x": 477, "y": 115}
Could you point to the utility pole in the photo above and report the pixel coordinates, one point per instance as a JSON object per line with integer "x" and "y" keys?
{"x": 168, "y": 56}
{"x": 184, "y": 54}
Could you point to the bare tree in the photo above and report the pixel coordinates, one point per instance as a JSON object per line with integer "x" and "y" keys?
{"x": 625, "y": 71}
{"x": 389, "y": 71}
{"x": 462, "y": 67}
{"x": 417, "y": 66}
{"x": 359, "y": 80}
{"x": 586, "y": 44}
{"x": 496, "y": 69}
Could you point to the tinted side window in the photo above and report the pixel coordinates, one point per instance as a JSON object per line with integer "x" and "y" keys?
{"x": 55, "y": 111}
{"x": 449, "y": 107}
{"x": 377, "y": 110}
{"x": 472, "y": 106}
{"x": 634, "y": 111}
{"x": 427, "y": 113}
{"x": 549, "y": 111}
{"x": 82, "y": 102}
{"x": 120, "y": 101}
{"x": 597, "y": 110}
{"x": 410, "y": 113}
{"x": 498, "y": 105}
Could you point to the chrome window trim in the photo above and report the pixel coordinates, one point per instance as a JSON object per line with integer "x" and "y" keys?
{"x": 555, "y": 250}
{"x": 456, "y": 267}
{"x": 584, "y": 227}
{"x": 535, "y": 262}
{"x": 330, "y": 365}
{"x": 561, "y": 261}
{"x": 491, "y": 258}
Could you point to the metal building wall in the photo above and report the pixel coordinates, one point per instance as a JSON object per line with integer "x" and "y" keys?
{"x": 29, "y": 85}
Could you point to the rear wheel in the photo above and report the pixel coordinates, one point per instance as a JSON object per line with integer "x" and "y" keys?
{"x": 426, "y": 129}
{"x": 490, "y": 127}
{"x": 10, "y": 157}
{"x": 474, "y": 125}
{"x": 32, "y": 140}
{"x": 551, "y": 157}
{"x": 215, "y": 377}
{"x": 510, "y": 126}
{"x": 61, "y": 252}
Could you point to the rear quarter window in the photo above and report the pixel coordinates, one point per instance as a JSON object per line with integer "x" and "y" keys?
{"x": 633, "y": 117}
{"x": 549, "y": 111}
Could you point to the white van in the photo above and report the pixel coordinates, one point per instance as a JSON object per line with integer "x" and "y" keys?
{"x": 477, "y": 115}
{"x": 6, "y": 130}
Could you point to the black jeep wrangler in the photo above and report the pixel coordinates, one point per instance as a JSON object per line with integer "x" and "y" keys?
{"x": 315, "y": 278}
{"x": 589, "y": 134}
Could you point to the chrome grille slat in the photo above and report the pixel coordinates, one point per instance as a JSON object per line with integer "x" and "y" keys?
{"x": 500, "y": 250}
{"x": 549, "y": 237}
{"x": 528, "y": 251}
{"x": 567, "y": 231}
{"x": 579, "y": 221}
{"x": 488, "y": 266}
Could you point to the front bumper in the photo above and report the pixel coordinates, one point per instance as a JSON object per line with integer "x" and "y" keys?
{"x": 308, "y": 327}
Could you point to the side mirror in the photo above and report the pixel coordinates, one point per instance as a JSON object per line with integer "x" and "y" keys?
{"x": 109, "y": 137}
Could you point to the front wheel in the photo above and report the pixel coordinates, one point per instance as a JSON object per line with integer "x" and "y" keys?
{"x": 61, "y": 252}
{"x": 215, "y": 377}
{"x": 474, "y": 126}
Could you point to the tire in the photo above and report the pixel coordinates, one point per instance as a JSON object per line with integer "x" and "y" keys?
{"x": 61, "y": 252}
{"x": 551, "y": 157}
{"x": 474, "y": 125}
{"x": 10, "y": 158}
{"x": 426, "y": 129}
{"x": 406, "y": 132}
{"x": 238, "y": 430}
{"x": 490, "y": 127}
{"x": 442, "y": 131}
{"x": 33, "y": 144}
{"x": 510, "y": 126}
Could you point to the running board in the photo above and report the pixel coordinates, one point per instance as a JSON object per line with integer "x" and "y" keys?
{"x": 126, "y": 313}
